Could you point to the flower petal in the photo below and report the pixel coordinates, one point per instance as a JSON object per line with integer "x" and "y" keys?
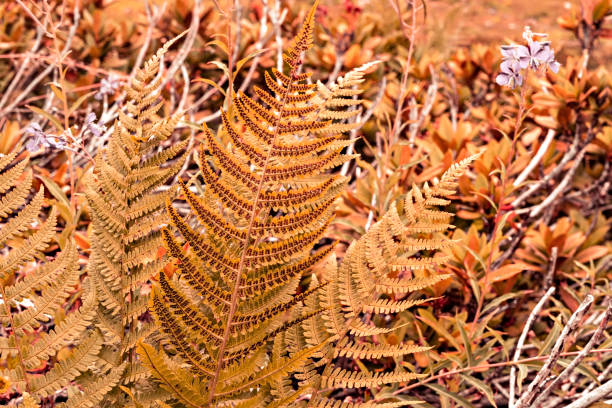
{"x": 554, "y": 66}
{"x": 502, "y": 79}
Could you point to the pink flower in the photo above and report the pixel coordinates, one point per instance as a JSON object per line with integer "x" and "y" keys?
{"x": 510, "y": 74}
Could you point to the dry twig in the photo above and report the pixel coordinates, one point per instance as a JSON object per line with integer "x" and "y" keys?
{"x": 521, "y": 341}
{"x": 540, "y": 380}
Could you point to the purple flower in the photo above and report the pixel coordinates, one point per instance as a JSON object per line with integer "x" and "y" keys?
{"x": 549, "y": 59}
{"x": 509, "y": 52}
{"x": 510, "y": 74}
{"x": 40, "y": 138}
{"x": 91, "y": 125}
{"x": 533, "y": 55}
{"x": 108, "y": 86}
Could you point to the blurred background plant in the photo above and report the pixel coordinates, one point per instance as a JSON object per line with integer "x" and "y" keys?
{"x": 534, "y": 213}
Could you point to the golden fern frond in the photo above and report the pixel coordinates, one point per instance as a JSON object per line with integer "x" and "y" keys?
{"x": 30, "y": 298}
{"x": 380, "y": 274}
{"x": 127, "y": 200}
{"x": 269, "y": 198}
{"x": 341, "y": 94}
{"x": 172, "y": 377}
{"x": 341, "y": 378}
{"x": 93, "y": 393}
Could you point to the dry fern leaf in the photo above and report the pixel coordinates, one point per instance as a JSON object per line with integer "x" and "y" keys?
{"x": 232, "y": 320}
{"x": 37, "y": 294}
{"x": 380, "y": 274}
{"x": 127, "y": 207}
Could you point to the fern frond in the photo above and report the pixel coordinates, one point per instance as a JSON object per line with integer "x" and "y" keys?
{"x": 269, "y": 198}
{"x": 127, "y": 199}
{"x": 341, "y": 378}
{"x": 332, "y": 403}
{"x": 46, "y": 289}
{"x": 367, "y": 282}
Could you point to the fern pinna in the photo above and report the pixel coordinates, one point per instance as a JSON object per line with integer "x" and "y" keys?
{"x": 127, "y": 209}
{"x": 35, "y": 326}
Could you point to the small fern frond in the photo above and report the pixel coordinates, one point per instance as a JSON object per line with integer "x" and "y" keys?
{"x": 380, "y": 275}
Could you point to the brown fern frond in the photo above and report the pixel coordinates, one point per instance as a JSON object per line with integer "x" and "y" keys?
{"x": 127, "y": 201}
{"x": 269, "y": 198}
{"x": 367, "y": 282}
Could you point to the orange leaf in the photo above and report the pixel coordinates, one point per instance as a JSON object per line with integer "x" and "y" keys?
{"x": 592, "y": 253}
{"x": 508, "y": 271}
{"x": 81, "y": 240}
{"x": 421, "y": 359}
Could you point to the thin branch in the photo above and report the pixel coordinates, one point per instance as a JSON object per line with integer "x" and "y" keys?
{"x": 397, "y": 124}
{"x": 583, "y": 353}
{"x": 24, "y": 64}
{"x": 187, "y": 44}
{"x": 47, "y": 70}
{"x": 521, "y": 341}
{"x": 36, "y": 20}
{"x": 430, "y": 98}
{"x": 552, "y": 266}
{"x": 560, "y": 187}
{"x": 567, "y": 157}
{"x": 536, "y": 159}
{"x": 484, "y": 367}
{"x": 263, "y": 30}
{"x": 597, "y": 394}
{"x": 153, "y": 19}
{"x": 540, "y": 380}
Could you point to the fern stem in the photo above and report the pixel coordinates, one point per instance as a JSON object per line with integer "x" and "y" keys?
{"x": 254, "y": 213}
{"x": 7, "y": 307}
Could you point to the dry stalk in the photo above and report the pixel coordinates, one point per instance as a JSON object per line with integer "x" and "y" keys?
{"x": 572, "y": 366}
{"x": 536, "y": 159}
{"x": 521, "y": 342}
{"x": 540, "y": 380}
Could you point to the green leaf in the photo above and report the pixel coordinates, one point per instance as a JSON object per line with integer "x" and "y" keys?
{"x": 244, "y": 60}
{"x": 56, "y": 90}
{"x": 455, "y": 397}
{"x": 222, "y": 67}
{"x": 411, "y": 401}
{"x": 432, "y": 322}
{"x": 47, "y": 115}
{"x": 553, "y": 335}
{"x": 600, "y": 10}
{"x": 59, "y": 195}
{"x": 522, "y": 374}
{"x": 501, "y": 299}
{"x": 467, "y": 343}
{"x": 482, "y": 387}
{"x": 211, "y": 83}
{"x": 486, "y": 197}
{"x": 219, "y": 44}
{"x": 78, "y": 102}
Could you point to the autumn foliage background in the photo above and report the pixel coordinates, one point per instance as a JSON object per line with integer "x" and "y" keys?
{"x": 516, "y": 240}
